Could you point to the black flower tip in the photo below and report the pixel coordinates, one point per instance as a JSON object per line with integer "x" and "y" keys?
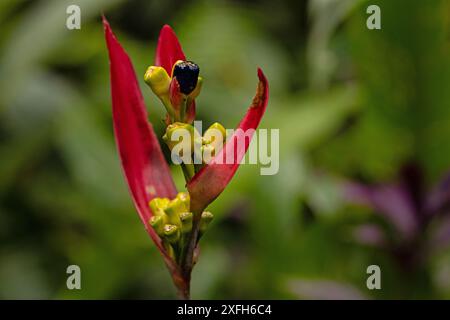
{"x": 186, "y": 73}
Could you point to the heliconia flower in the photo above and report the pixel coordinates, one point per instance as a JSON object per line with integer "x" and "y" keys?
{"x": 178, "y": 218}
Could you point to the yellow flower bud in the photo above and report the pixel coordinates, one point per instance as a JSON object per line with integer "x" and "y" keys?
{"x": 186, "y": 222}
{"x": 182, "y": 136}
{"x": 172, "y": 233}
{"x": 205, "y": 220}
{"x": 158, "y": 80}
{"x": 173, "y": 210}
{"x": 215, "y": 135}
{"x": 218, "y": 126}
{"x": 185, "y": 200}
{"x": 157, "y": 223}
{"x": 212, "y": 140}
{"x": 158, "y": 204}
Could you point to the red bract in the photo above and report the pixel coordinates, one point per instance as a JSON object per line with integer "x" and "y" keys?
{"x": 147, "y": 174}
{"x": 212, "y": 179}
{"x": 143, "y": 163}
{"x": 169, "y": 51}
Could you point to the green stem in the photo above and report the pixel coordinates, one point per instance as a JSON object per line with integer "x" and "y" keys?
{"x": 188, "y": 171}
{"x": 169, "y": 108}
{"x": 189, "y": 243}
{"x": 187, "y": 261}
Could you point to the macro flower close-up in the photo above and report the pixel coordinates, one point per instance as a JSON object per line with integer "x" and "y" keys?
{"x": 244, "y": 155}
{"x": 175, "y": 222}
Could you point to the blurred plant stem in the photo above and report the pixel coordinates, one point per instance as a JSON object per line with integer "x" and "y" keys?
{"x": 187, "y": 260}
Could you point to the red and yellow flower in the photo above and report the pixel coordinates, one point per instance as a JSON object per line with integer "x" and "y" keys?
{"x": 174, "y": 220}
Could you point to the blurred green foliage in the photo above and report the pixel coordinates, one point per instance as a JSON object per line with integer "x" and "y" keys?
{"x": 349, "y": 102}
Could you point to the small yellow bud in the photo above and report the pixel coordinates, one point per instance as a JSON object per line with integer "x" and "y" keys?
{"x": 181, "y": 136}
{"x": 217, "y": 126}
{"x": 171, "y": 233}
{"x": 186, "y": 222}
{"x": 158, "y": 204}
{"x": 205, "y": 220}
{"x": 173, "y": 210}
{"x": 185, "y": 200}
{"x": 215, "y": 135}
{"x": 158, "y": 80}
{"x": 157, "y": 223}
{"x": 213, "y": 140}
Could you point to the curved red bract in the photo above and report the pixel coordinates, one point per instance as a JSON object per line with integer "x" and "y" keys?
{"x": 168, "y": 50}
{"x": 143, "y": 163}
{"x": 212, "y": 179}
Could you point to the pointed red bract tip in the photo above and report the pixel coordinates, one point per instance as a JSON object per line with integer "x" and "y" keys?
{"x": 168, "y": 50}
{"x": 261, "y": 75}
{"x": 143, "y": 163}
{"x": 212, "y": 179}
{"x": 104, "y": 21}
